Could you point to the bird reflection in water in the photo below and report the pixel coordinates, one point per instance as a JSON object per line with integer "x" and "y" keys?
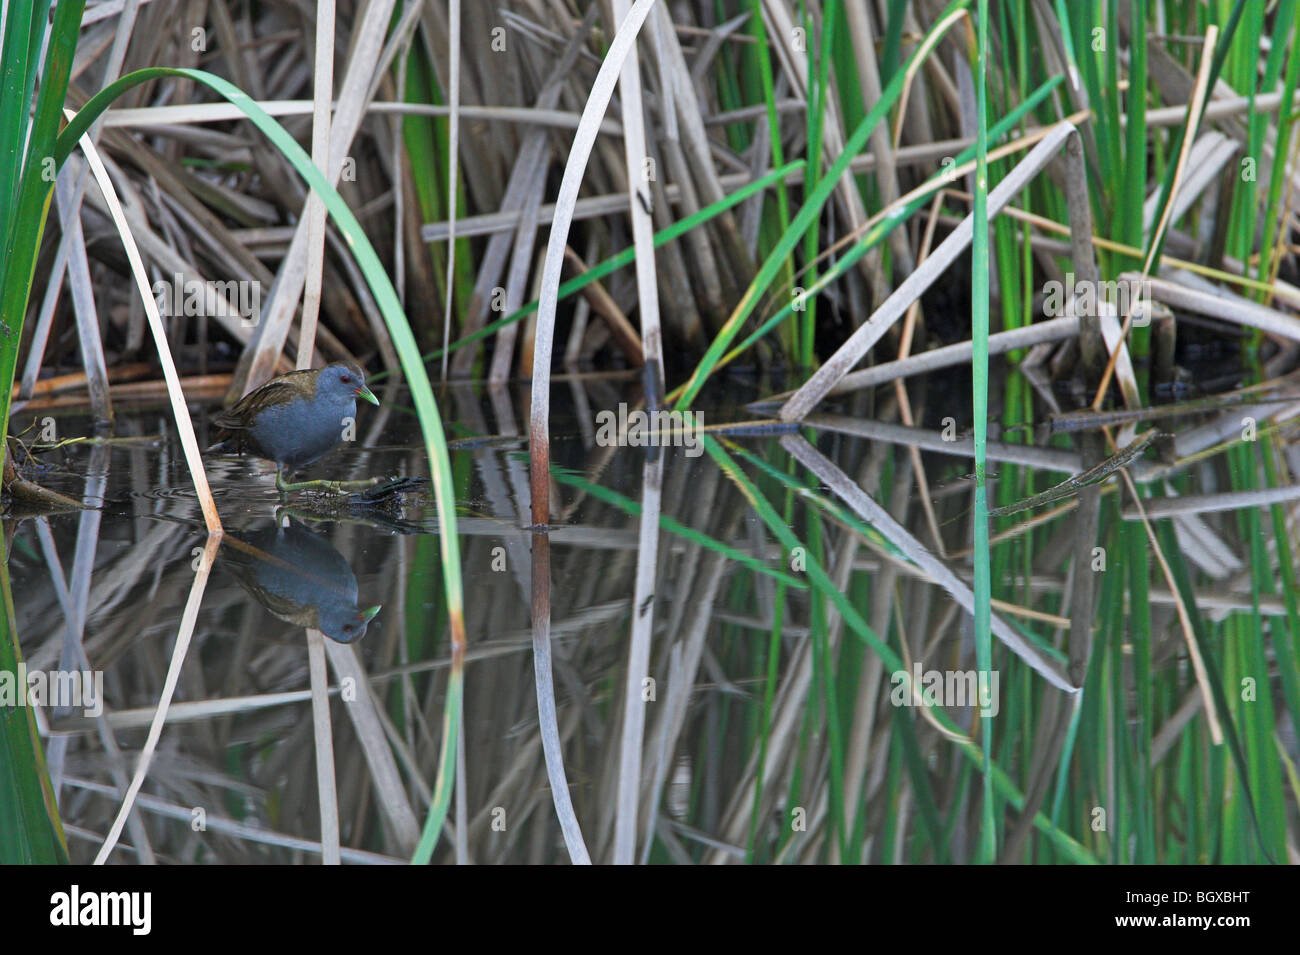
{"x": 299, "y": 577}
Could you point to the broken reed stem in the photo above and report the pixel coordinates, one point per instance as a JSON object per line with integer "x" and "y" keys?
{"x": 815, "y": 390}
{"x": 184, "y": 426}
{"x": 1184, "y": 619}
{"x": 323, "y": 96}
{"x": 904, "y": 402}
{"x": 1189, "y": 134}
{"x": 453, "y": 158}
{"x": 638, "y": 665}
{"x": 539, "y": 417}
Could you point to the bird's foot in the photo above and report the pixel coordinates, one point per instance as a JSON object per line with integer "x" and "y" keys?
{"x": 389, "y": 490}
{"x": 335, "y": 487}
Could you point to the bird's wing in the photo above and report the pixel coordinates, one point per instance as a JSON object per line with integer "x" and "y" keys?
{"x": 275, "y": 391}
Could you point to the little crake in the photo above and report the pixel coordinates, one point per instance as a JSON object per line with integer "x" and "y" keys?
{"x": 295, "y": 419}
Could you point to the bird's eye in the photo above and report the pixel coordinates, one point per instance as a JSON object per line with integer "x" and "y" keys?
{"x": 346, "y": 379}
{"x": 347, "y": 627}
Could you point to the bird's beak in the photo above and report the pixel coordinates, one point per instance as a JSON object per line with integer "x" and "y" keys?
{"x": 369, "y": 395}
{"x": 369, "y": 614}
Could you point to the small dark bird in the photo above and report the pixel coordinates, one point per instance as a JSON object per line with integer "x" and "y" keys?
{"x": 294, "y": 419}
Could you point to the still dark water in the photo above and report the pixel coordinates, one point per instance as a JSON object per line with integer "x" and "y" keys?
{"x": 772, "y": 731}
